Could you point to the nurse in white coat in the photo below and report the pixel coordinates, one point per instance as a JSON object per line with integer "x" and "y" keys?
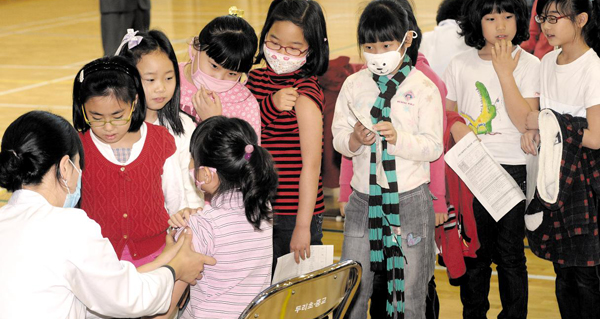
{"x": 54, "y": 261}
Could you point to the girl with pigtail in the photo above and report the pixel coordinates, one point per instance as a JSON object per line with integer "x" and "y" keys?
{"x": 239, "y": 180}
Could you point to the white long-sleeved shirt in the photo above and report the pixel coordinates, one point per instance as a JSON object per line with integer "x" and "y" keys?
{"x": 55, "y": 263}
{"x": 193, "y": 196}
{"x": 172, "y": 183}
{"x": 416, "y": 114}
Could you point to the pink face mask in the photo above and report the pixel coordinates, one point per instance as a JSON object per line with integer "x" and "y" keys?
{"x": 197, "y": 182}
{"x": 202, "y": 79}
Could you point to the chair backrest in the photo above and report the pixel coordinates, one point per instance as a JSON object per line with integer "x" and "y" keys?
{"x": 314, "y": 295}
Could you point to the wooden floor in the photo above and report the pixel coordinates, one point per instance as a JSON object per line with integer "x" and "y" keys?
{"x": 43, "y": 43}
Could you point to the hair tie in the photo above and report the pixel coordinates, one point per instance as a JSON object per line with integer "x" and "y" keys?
{"x": 14, "y": 153}
{"x": 248, "y": 152}
{"x": 131, "y": 39}
{"x": 325, "y": 40}
{"x": 234, "y": 11}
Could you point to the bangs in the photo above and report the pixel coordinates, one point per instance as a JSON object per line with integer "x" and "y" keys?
{"x": 497, "y": 6}
{"x": 563, "y": 7}
{"x": 231, "y": 54}
{"x": 379, "y": 24}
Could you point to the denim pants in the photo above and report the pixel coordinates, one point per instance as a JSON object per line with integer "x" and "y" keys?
{"x": 578, "y": 291}
{"x": 417, "y": 219}
{"x": 283, "y": 228}
{"x": 501, "y": 243}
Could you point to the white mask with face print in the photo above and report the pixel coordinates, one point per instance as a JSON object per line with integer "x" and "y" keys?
{"x": 385, "y": 63}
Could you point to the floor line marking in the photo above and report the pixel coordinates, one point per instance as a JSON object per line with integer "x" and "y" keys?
{"x": 33, "y": 86}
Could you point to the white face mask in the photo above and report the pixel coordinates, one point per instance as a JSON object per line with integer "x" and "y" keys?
{"x": 385, "y": 63}
{"x": 283, "y": 63}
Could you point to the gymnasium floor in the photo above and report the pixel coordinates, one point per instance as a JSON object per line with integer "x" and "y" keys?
{"x": 43, "y": 43}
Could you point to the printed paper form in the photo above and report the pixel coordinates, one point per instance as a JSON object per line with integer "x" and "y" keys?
{"x": 495, "y": 189}
{"x": 321, "y": 256}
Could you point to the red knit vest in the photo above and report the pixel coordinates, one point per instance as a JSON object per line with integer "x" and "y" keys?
{"x": 127, "y": 201}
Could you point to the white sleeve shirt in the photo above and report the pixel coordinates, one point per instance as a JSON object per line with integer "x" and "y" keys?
{"x": 193, "y": 196}
{"x": 172, "y": 183}
{"x": 416, "y": 115}
{"x": 55, "y": 263}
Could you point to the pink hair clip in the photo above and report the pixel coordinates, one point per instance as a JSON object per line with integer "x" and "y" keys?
{"x": 248, "y": 150}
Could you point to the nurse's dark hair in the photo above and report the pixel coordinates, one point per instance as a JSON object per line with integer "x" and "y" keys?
{"x": 221, "y": 142}
{"x": 32, "y": 144}
{"x": 474, "y": 10}
{"x": 573, "y": 8}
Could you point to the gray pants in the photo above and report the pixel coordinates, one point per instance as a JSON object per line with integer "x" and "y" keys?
{"x": 417, "y": 221}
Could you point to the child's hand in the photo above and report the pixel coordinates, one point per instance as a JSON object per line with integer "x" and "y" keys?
{"x": 531, "y": 122}
{"x": 300, "y": 243}
{"x": 361, "y": 135}
{"x": 285, "y": 99}
{"x": 530, "y": 141}
{"x": 387, "y": 130}
{"x": 343, "y": 208}
{"x": 502, "y": 60}
{"x": 440, "y": 218}
{"x": 180, "y": 219}
{"x": 207, "y": 103}
{"x": 459, "y": 130}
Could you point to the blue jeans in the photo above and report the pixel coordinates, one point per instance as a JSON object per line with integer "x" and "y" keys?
{"x": 578, "y": 291}
{"x": 283, "y": 228}
{"x": 416, "y": 218}
{"x": 501, "y": 243}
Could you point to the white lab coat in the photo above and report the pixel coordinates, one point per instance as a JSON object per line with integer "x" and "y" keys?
{"x": 55, "y": 263}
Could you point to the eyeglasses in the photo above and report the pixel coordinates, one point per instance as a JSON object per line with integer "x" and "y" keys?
{"x": 288, "y": 50}
{"x": 114, "y": 122}
{"x": 551, "y": 19}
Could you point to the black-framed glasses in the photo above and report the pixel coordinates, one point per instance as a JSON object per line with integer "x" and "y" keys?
{"x": 551, "y": 19}
{"x": 288, "y": 50}
{"x": 114, "y": 122}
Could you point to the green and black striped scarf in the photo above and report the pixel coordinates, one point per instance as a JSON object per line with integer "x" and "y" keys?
{"x": 386, "y": 250}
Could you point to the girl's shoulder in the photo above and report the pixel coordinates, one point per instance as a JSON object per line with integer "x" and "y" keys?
{"x": 160, "y": 135}
{"x": 419, "y": 82}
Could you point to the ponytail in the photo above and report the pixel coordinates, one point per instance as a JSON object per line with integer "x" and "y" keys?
{"x": 230, "y": 146}
{"x": 259, "y": 186}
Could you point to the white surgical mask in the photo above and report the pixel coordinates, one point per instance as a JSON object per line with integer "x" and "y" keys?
{"x": 283, "y": 63}
{"x": 385, "y": 63}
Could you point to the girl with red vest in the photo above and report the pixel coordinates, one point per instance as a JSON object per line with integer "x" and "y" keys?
{"x": 132, "y": 182}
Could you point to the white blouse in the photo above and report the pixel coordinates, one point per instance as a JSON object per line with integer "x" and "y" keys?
{"x": 194, "y": 197}
{"x": 416, "y": 114}
{"x": 172, "y": 184}
{"x": 55, "y": 263}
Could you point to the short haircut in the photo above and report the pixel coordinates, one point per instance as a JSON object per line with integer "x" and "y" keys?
{"x": 32, "y": 144}
{"x": 308, "y": 16}
{"x": 152, "y": 41}
{"x": 109, "y": 76}
{"x": 382, "y": 20}
{"x": 413, "y": 50}
{"x": 474, "y": 10}
{"x": 230, "y": 41}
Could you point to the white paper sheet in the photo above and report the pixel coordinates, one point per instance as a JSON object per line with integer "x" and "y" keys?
{"x": 495, "y": 189}
{"x": 321, "y": 256}
{"x": 363, "y": 120}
